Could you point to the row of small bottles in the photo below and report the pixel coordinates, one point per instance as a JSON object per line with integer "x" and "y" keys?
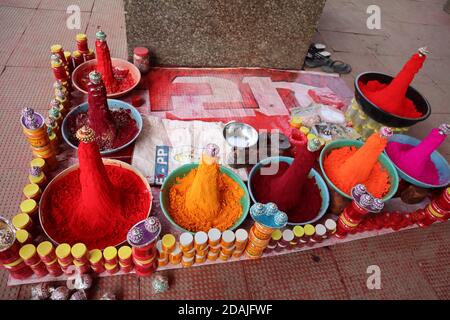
{"x": 301, "y": 236}
{"x": 363, "y": 124}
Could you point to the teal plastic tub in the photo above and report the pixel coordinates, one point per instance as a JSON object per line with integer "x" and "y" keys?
{"x": 324, "y": 194}
{"x": 181, "y": 172}
{"x": 383, "y": 159}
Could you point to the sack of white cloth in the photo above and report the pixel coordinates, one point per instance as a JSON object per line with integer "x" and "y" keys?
{"x": 165, "y": 145}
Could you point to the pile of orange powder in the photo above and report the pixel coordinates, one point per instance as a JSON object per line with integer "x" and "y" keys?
{"x": 349, "y": 166}
{"x": 205, "y": 198}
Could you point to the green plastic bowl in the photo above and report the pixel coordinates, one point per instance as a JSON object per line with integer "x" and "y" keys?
{"x": 182, "y": 171}
{"x": 385, "y": 162}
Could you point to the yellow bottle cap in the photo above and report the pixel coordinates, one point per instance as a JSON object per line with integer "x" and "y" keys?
{"x": 67, "y": 54}
{"x": 28, "y": 206}
{"x": 76, "y": 54}
{"x": 276, "y": 235}
{"x": 27, "y": 251}
{"x": 110, "y": 266}
{"x": 311, "y": 136}
{"x": 78, "y": 264}
{"x": 110, "y": 253}
{"x": 296, "y": 122}
{"x": 13, "y": 264}
{"x": 125, "y": 252}
{"x": 44, "y": 248}
{"x": 21, "y": 220}
{"x": 81, "y": 37}
{"x": 309, "y": 229}
{"x": 55, "y": 48}
{"x": 168, "y": 240}
{"x": 63, "y": 250}
{"x": 37, "y": 162}
{"x": 22, "y": 235}
{"x": 305, "y": 130}
{"x": 298, "y": 231}
{"x": 95, "y": 256}
{"x": 38, "y": 179}
{"x": 79, "y": 250}
{"x": 31, "y": 190}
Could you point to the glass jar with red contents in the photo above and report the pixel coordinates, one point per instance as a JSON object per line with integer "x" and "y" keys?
{"x": 39, "y": 269}
{"x": 141, "y": 59}
{"x": 443, "y": 201}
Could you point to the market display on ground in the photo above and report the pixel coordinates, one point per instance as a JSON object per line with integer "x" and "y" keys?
{"x": 329, "y": 173}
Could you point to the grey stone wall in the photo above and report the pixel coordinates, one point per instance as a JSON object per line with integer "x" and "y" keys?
{"x": 223, "y": 33}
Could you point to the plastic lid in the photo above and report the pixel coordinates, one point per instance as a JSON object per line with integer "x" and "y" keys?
{"x": 37, "y": 179}
{"x": 27, "y": 251}
{"x": 311, "y": 136}
{"x": 168, "y": 240}
{"x": 309, "y": 229}
{"x": 330, "y": 224}
{"x": 241, "y": 235}
{"x": 214, "y": 234}
{"x": 186, "y": 238}
{"x": 37, "y": 162}
{"x": 21, "y": 220}
{"x": 110, "y": 253}
{"x": 228, "y": 236}
{"x": 78, "y": 264}
{"x": 44, "y": 248}
{"x": 201, "y": 237}
{"x": 67, "y": 54}
{"x": 140, "y": 51}
{"x": 28, "y": 206}
{"x": 95, "y": 256}
{"x": 81, "y": 37}
{"x": 30, "y": 190}
{"x": 124, "y": 252}
{"x": 22, "y": 235}
{"x": 63, "y": 250}
{"x": 110, "y": 266}
{"x": 79, "y": 250}
{"x": 175, "y": 252}
{"x": 276, "y": 235}
{"x": 159, "y": 245}
{"x": 76, "y": 54}
{"x": 55, "y": 48}
{"x": 298, "y": 231}
{"x": 288, "y": 235}
{"x": 320, "y": 229}
{"x": 304, "y": 130}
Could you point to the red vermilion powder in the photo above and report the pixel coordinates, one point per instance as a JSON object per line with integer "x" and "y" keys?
{"x": 391, "y": 97}
{"x": 104, "y": 65}
{"x": 290, "y": 188}
{"x": 123, "y": 82}
{"x": 97, "y": 204}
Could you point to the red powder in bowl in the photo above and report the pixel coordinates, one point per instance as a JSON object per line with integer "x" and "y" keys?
{"x": 63, "y": 199}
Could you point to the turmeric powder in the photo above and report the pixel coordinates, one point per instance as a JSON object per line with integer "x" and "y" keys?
{"x": 205, "y": 198}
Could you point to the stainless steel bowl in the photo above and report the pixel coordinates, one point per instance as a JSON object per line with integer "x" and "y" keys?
{"x": 240, "y": 135}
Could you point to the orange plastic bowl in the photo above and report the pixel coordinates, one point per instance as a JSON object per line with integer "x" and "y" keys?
{"x": 81, "y": 71}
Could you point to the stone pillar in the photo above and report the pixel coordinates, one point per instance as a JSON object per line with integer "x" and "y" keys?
{"x": 223, "y": 33}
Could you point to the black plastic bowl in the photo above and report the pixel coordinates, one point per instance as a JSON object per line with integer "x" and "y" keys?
{"x": 386, "y": 118}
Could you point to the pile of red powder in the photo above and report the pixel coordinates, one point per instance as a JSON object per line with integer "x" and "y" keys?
{"x": 126, "y": 127}
{"x": 124, "y": 80}
{"x": 64, "y": 200}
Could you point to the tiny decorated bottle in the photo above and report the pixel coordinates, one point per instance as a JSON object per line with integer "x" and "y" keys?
{"x": 34, "y": 128}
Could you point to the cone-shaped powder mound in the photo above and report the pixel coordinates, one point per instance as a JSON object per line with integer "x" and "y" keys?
{"x": 289, "y": 187}
{"x": 391, "y": 98}
{"x": 348, "y": 166}
{"x": 415, "y": 160}
{"x": 205, "y": 198}
{"x": 95, "y": 204}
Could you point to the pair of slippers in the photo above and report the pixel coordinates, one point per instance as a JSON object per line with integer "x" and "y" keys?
{"x": 318, "y": 57}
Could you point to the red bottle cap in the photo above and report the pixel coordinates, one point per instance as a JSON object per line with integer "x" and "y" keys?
{"x": 141, "y": 51}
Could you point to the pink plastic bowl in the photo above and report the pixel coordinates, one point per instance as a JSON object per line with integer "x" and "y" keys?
{"x": 116, "y": 62}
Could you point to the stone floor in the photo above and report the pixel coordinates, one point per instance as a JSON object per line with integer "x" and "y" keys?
{"x": 414, "y": 263}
